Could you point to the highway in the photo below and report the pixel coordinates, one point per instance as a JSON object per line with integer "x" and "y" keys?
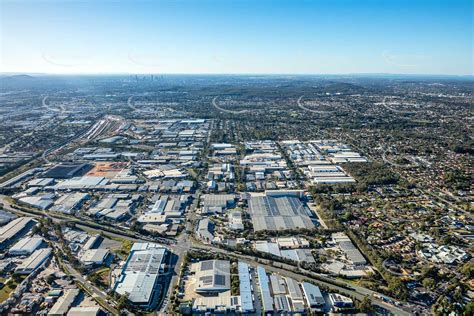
{"x": 185, "y": 242}
{"x": 288, "y": 270}
{"x": 83, "y": 223}
{"x": 301, "y": 106}
{"x": 214, "y": 104}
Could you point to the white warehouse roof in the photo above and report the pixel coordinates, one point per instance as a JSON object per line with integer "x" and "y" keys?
{"x": 26, "y": 246}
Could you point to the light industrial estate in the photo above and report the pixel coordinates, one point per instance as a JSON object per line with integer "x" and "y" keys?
{"x": 235, "y": 195}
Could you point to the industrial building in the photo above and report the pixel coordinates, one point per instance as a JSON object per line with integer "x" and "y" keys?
{"x": 352, "y": 253}
{"x": 70, "y": 202}
{"x": 340, "y": 301}
{"x": 84, "y": 311}
{"x": 114, "y": 207}
{"x": 235, "y": 220}
{"x": 246, "y": 301}
{"x": 279, "y": 210}
{"x": 293, "y": 248}
{"x": 296, "y": 295}
{"x": 94, "y": 257}
{"x": 213, "y": 290}
{"x": 213, "y": 276}
{"x": 84, "y": 183}
{"x": 93, "y": 242}
{"x": 34, "y": 261}
{"x": 141, "y": 274}
{"x": 314, "y": 297}
{"x": 298, "y": 255}
{"x": 266, "y": 298}
{"x": 41, "y": 202}
{"x": 205, "y": 230}
{"x": 282, "y": 304}
{"x": 25, "y": 246}
{"x": 61, "y": 307}
{"x": 217, "y": 203}
{"x": 40, "y": 182}
{"x": 67, "y": 171}
{"x": 14, "y": 229}
{"x": 16, "y": 181}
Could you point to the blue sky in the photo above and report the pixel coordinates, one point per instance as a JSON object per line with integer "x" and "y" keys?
{"x": 237, "y": 36}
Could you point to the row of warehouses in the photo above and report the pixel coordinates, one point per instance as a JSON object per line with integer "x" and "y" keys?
{"x": 12, "y": 236}
{"x": 285, "y": 295}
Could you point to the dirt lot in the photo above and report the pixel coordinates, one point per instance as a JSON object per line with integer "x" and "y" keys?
{"x": 107, "y": 169}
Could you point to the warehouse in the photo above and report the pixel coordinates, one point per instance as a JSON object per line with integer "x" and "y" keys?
{"x": 25, "y": 246}
{"x": 235, "y": 220}
{"x": 67, "y": 171}
{"x": 267, "y": 301}
{"x": 278, "y": 284}
{"x": 141, "y": 274}
{"x": 93, "y": 242}
{"x": 42, "y": 202}
{"x": 268, "y": 247}
{"x": 15, "y": 182}
{"x": 34, "y": 261}
{"x": 94, "y": 257}
{"x": 299, "y": 255}
{"x": 6, "y": 217}
{"x": 282, "y": 304}
{"x": 340, "y": 301}
{"x": 63, "y": 304}
{"x": 224, "y": 303}
{"x": 70, "y": 202}
{"x": 278, "y": 212}
{"x": 352, "y": 253}
{"x": 213, "y": 276}
{"x": 222, "y": 201}
{"x": 40, "y": 182}
{"x": 294, "y": 290}
{"x": 313, "y": 295}
{"x": 85, "y": 311}
{"x": 246, "y": 301}
{"x": 13, "y": 229}
{"x": 205, "y": 230}
{"x": 81, "y": 183}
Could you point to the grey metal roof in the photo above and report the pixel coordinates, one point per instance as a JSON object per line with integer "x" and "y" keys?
{"x": 213, "y": 275}
{"x": 278, "y": 213}
{"x": 141, "y": 272}
{"x": 267, "y": 301}
{"x": 245, "y": 288}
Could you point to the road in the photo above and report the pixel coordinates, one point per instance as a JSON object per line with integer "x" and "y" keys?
{"x": 287, "y": 270}
{"x": 214, "y": 104}
{"x": 185, "y": 242}
{"x": 301, "y": 106}
{"x": 182, "y": 246}
{"x": 96, "y": 292}
{"x": 83, "y": 223}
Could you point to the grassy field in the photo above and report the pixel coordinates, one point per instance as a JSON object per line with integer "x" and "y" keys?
{"x": 124, "y": 251}
{"x": 8, "y": 288}
{"x": 103, "y": 275}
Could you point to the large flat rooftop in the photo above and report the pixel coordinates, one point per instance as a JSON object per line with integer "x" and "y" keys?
{"x": 141, "y": 272}
{"x": 279, "y": 213}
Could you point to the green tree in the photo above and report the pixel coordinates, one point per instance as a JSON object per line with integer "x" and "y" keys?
{"x": 365, "y": 306}
{"x": 428, "y": 283}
